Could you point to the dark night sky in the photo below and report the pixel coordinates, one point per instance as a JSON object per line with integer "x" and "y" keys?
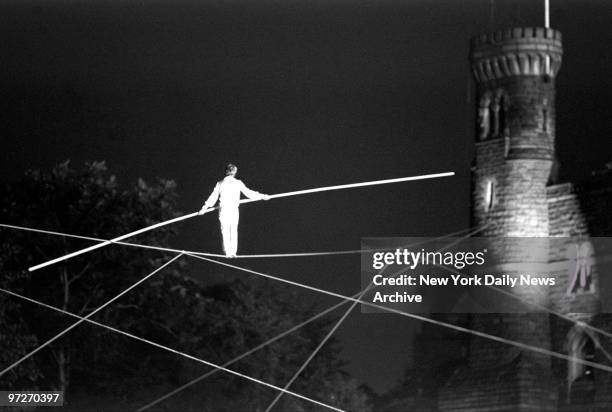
{"x": 299, "y": 94}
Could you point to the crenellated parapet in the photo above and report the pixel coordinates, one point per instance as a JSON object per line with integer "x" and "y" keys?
{"x": 524, "y": 51}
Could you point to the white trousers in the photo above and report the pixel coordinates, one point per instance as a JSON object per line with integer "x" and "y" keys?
{"x": 229, "y": 231}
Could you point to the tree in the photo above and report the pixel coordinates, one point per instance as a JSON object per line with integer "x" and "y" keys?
{"x": 102, "y": 369}
{"x": 84, "y": 202}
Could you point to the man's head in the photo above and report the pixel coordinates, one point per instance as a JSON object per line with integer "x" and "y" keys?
{"x": 231, "y": 169}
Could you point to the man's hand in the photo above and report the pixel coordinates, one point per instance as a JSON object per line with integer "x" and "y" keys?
{"x": 203, "y": 210}
{"x": 266, "y": 197}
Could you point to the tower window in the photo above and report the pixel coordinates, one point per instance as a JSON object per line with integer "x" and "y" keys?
{"x": 580, "y": 271}
{"x": 484, "y": 117}
{"x": 492, "y": 115}
{"x": 495, "y": 118}
{"x": 489, "y": 195}
{"x": 545, "y": 115}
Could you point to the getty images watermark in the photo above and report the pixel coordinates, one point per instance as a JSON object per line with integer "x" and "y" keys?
{"x": 482, "y": 275}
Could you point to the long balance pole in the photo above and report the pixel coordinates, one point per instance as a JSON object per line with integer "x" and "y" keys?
{"x": 279, "y": 195}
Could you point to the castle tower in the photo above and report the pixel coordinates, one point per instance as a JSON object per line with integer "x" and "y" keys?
{"x": 515, "y": 71}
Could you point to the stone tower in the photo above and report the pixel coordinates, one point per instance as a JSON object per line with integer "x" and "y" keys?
{"x": 515, "y": 73}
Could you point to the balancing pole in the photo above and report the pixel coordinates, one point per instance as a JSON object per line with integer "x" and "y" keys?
{"x": 276, "y": 196}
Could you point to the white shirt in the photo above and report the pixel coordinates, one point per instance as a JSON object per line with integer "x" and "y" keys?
{"x": 227, "y": 191}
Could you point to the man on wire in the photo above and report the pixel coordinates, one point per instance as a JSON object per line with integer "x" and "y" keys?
{"x": 227, "y": 191}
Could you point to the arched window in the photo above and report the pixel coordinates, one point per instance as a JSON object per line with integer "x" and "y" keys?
{"x": 495, "y": 118}
{"x": 489, "y": 195}
{"x": 484, "y": 117}
{"x": 493, "y": 114}
{"x": 580, "y": 270}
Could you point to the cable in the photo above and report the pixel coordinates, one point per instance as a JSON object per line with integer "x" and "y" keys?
{"x": 424, "y": 319}
{"x": 190, "y": 215}
{"x": 191, "y": 253}
{"x": 95, "y": 311}
{"x": 85, "y": 319}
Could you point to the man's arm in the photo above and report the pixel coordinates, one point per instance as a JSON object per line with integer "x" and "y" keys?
{"x": 252, "y": 194}
{"x": 212, "y": 199}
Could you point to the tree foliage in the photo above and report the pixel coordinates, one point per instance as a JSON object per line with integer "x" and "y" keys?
{"x": 100, "y": 369}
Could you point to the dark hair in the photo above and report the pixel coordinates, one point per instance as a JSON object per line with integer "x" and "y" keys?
{"x": 230, "y": 168}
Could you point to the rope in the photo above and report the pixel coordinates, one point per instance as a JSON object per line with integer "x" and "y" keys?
{"x": 276, "y": 196}
{"x": 191, "y": 253}
{"x": 484, "y": 335}
{"x": 413, "y": 316}
{"x": 74, "y": 325}
{"x": 217, "y": 367}
{"x": 176, "y": 257}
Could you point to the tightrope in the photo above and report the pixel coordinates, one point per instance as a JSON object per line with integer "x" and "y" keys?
{"x": 166, "y": 249}
{"x": 341, "y": 252}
